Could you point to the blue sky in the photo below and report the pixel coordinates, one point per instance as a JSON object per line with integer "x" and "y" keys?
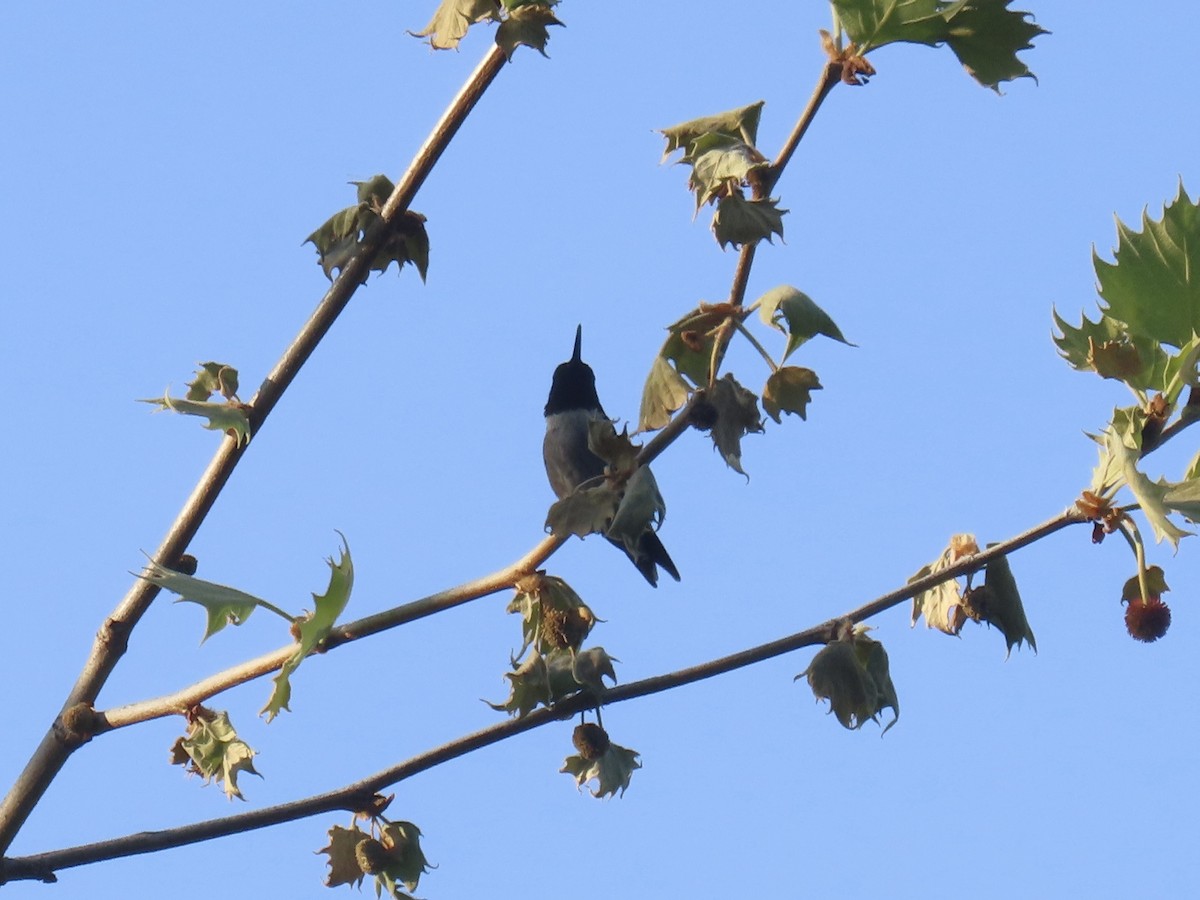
{"x": 161, "y": 169}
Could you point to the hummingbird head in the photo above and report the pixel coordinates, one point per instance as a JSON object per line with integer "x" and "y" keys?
{"x": 574, "y": 384}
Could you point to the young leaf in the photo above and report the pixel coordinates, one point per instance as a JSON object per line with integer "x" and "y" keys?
{"x": 212, "y": 749}
{"x": 224, "y": 605}
{"x": 402, "y": 241}
{"x": 213, "y": 378}
{"x": 789, "y": 390}
{"x": 942, "y": 605}
{"x": 641, "y": 507}
{"x": 720, "y": 165}
{"x": 739, "y": 221}
{"x": 1150, "y": 495}
{"x": 1107, "y": 348}
{"x": 985, "y": 35}
{"x": 452, "y": 18}
{"x": 1153, "y": 284}
{"x": 584, "y": 511}
{"x": 403, "y": 861}
{"x": 313, "y": 628}
{"x": 230, "y": 418}
{"x": 739, "y": 124}
{"x": 998, "y": 603}
{"x": 528, "y": 25}
{"x": 611, "y": 770}
{"x": 737, "y": 415}
{"x": 665, "y": 391}
{"x": 795, "y": 314}
{"x": 343, "y": 863}
{"x": 852, "y": 674}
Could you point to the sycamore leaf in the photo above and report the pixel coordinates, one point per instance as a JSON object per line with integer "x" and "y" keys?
{"x": 403, "y": 861}
{"x": 528, "y": 687}
{"x": 587, "y": 668}
{"x": 875, "y": 23}
{"x": 611, "y": 771}
{"x": 641, "y": 507}
{"x": 795, "y": 314}
{"x": 584, "y": 511}
{"x": 789, "y": 390}
{"x": 213, "y": 378}
{"x": 452, "y": 18}
{"x": 1150, "y": 495}
{"x": 230, "y": 418}
{"x": 343, "y": 863}
{"x": 852, "y": 674}
{"x": 738, "y": 124}
{"x": 1153, "y": 284}
{"x": 1156, "y": 585}
{"x": 985, "y": 35}
{"x": 1106, "y": 348}
{"x": 739, "y": 221}
{"x": 737, "y": 415}
{"x": 615, "y": 448}
{"x": 224, "y": 605}
{"x": 942, "y": 605}
{"x": 340, "y": 238}
{"x": 212, "y": 749}
{"x": 998, "y": 603}
{"x": 665, "y": 392}
{"x": 720, "y": 165}
{"x": 1184, "y": 498}
{"x": 690, "y": 341}
{"x": 553, "y": 616}
{"x": 313, "y": 628}
{"x": 528, "y": 25}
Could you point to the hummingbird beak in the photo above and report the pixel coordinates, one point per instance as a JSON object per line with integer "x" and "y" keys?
{"x": 576, "y": 356}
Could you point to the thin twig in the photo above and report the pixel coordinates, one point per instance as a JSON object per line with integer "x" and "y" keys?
{"x": 354, "y": 796}
{"x": 178, "y": 702}
{"x": 111, "y": 640}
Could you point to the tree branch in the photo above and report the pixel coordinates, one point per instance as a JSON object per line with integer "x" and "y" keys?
{"x": 112, "y": 639}
{"x": 42, "y": 866}
{"x": 178, "y": 702}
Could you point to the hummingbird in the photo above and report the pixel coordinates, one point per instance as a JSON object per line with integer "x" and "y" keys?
{"x": 572, "y": 404}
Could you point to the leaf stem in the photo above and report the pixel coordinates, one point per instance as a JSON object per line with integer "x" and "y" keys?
{"x": 757, "y": 346}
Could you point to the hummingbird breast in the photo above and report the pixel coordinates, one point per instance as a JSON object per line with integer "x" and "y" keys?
{"x": 565, "y": 451}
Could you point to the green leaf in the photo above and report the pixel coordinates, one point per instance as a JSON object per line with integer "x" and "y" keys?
{"x": 230, "y": 417}
{"x": 212, "y": 749}
{"x": 737, "y": 415}
{"x": 543, "y": 679}
{"x": 553, "y": 616}
{"x": 341, "y": 237}
{"x": 789, "y": 390}
{"x": 224, "y": 605}
{"x": 452, "y": 18}
{"x": 343, "y": 864}
{"x": 985, "y": 35}
{"x": 611, "y": 771}
{"x": 313, "y": 628}
{"x": 1107, "y": 348}
{"x": 528, "y": 25}
{"x": 795, "y": 314}
{"x": 665, "y": 392}
{"x": 213, "y": 378}
{"x": 852, "y": 674}
{"x": 720, "y": 166}
{"x": 1153, "y": 284}
{"x": 1156, "y": 585}
{"x": 1184, "y": 498}
{"x": 584, "y": 511}
{"x": 942, "y": 605}
{"x": 641, "y": 507}
{"x": 738, "y": 124}
{"x": 1151, "y": 496}
{"x": 875, "y": 23}
{"x": 999, "y": 603}
{"x": 405, "y": 862}
{"x": 739, "y": 221}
